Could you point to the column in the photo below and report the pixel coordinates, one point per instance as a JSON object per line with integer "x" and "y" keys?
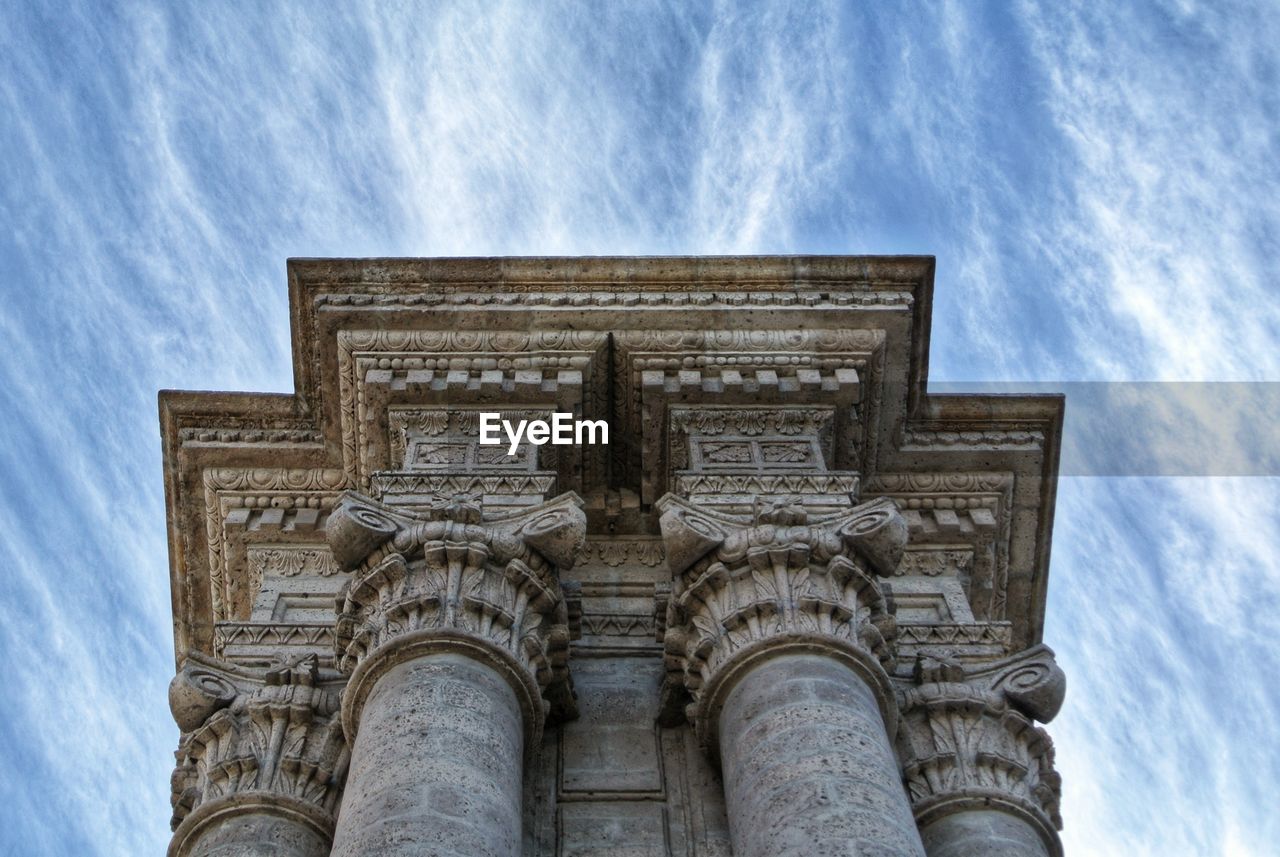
{"x": 979, "y": 771}
{"x": 985, "y": 833}
{"x": 779, "y": 633}
{"x": 454, "y": 630}
{"x": 260, "y": 761}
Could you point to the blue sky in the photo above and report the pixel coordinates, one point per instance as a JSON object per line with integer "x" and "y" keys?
{"x": 1100, "y": 183}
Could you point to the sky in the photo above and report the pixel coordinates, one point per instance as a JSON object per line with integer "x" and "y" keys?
{"x": 1099, "y": 182}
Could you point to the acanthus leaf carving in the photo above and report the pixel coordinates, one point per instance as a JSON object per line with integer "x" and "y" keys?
{"x": 740, "y": 583}
{"x": 967, "y": 736}
{"x": 274, "y": 731}
{"x": 448, "y": 569}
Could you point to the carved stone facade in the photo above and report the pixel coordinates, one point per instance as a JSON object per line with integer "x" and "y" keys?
{"x": 794, "y": 607}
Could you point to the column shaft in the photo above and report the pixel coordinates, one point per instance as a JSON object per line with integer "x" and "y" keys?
{"x": 982, "y": 833}
{"x": 808, "y": 768}
{"x": 437, "y": 764}
{"x": 253, "y": 825}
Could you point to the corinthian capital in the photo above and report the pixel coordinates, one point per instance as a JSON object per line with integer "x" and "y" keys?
{"x": 449, "y": 578}
{"x": 967, "y": 739}
{"x": 749, "y": 588}
{"x": 270, "y": 737}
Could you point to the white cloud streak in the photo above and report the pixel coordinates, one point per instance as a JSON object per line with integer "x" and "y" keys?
{"x": 1100, "y": 186}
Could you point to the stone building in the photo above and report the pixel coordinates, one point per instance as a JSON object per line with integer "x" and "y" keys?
{"x": 793, "y": 607}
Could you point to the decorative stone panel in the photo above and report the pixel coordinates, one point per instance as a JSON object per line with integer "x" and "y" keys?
{"x": 758, "y": 371}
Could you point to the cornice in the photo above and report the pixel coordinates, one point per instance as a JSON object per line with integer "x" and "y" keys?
{"x": 301, "y": 432}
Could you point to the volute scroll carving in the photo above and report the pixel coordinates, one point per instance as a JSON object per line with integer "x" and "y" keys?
{"x": 448, "y": 578}
{"x": 968, "y": 739}
{"x": 271, "y": 736}
{"x": 750, "y": 588}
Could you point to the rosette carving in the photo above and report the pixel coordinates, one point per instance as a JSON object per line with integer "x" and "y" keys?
{"x": 449, "y": 573}
{"x": 968, "y": 739}
{"x": 273, "y": 733}
{"x": 778, "y": 580}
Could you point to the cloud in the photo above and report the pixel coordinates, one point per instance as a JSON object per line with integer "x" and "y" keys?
{"x": 1099, "y": 184}
{"x": 1170, "y": 210}
{"x": 1164, "y": 623}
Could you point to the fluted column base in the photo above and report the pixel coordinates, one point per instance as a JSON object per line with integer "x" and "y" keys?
{"x": 808, "y": 767}
{"x": 252, "y": 824}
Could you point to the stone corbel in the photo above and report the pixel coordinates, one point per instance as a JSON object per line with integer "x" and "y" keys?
{"x": 451, "y": 579}
{"x": 261, "y": 754}
{"x": 969, "y": 746}
{"x": 748, "y": 589}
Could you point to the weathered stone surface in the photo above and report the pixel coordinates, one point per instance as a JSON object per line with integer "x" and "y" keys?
{"x": 261, "y": 758}
{"x": 969, "y": 747}
{"x": 983, "y": 833}
{"x": 613, "y": 746}
{"x": 610, "y": 829}
{"x": 436, "y": 767}
{"x": 453, "y": 627}
{"x": 748, "y": 589}
{"x": 821, "y": 510}
{"x": 808, "y": 768}
{"x": 448, "y": 579}
{"x": 779, "y": 631}
{"x": 251, "y": 825}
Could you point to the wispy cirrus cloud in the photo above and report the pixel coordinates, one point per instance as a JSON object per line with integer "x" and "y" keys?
{"x": 1099, "y": 184}
{"x": 1170, "y": 210}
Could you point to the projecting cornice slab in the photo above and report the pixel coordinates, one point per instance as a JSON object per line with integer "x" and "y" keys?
{"x": 721, "y": 379}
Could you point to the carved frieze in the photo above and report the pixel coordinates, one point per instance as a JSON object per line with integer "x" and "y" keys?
{"x": 260, "y": 643}
{"x": 418, "y": 489}
{"x": 974, "y": 437}
{"x": 272, "y": 733}
{"x": 617, "y": 552}
{"x": 739, "y": 492}
{"x": 288, "y": 561}
{"x": 447, "y": 438}
{"x": 628, "y": 294}
{"x": 446, "y": 576}
{"x": 561, "y": 370}
{"x": 618, "y": 625}
{"x": 962, "y": 641}
{"x": 777, "y": 580}
{"x": 711, "y": 438}
{"x": 968, "y": 739}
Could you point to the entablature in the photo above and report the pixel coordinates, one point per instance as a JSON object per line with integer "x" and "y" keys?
{"x": 722, "y": 380}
